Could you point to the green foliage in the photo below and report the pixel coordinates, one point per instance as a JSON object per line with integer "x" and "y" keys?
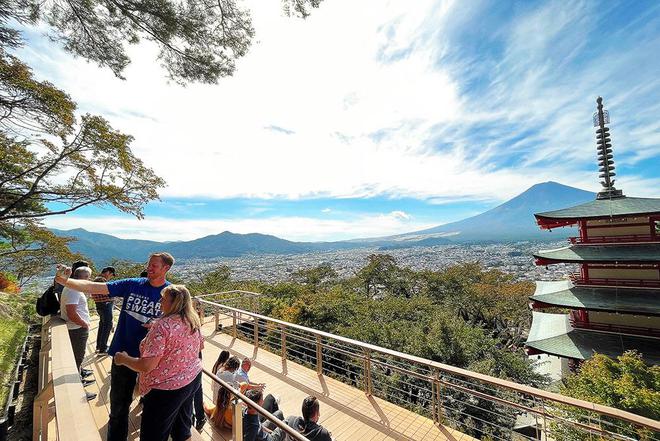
{"x": 27, "y": 250}
{"x": 463, "y": 316}
{"x": 625, "y": 383}
{"x": 214, "y": 281}
{"x": 382, "y": 276}
{"x": 197, "y": 40}
{"x": 316, "y": 276}
{"x": 50, "y": 160}
{"x": 16, "y": 313}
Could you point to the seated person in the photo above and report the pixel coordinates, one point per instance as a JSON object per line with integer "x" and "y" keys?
{"x": 226, "y": 371}
{"x": 307, "y": 426}
{"x": 220, "y": 412}
{"x": 242, "y": 374}
{"x": 253, "y": 429}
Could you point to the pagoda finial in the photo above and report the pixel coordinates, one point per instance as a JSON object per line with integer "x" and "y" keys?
{"x": 605, "y": 158}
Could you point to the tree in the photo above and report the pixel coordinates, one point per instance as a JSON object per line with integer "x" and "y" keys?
{"x": 198, "y": 40}
{"x": 210, "y": 282}
{"x": 315, "y": 276}
{"x": 625, "y": 383}
{"x": 382, "y": 275}
{"x": 30, "y": 250}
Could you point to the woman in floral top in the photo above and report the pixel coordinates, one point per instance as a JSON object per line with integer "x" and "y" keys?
{"x": 169, "y": 367}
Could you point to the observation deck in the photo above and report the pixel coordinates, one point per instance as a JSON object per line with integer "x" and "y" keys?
{"x": 366, "y": 392}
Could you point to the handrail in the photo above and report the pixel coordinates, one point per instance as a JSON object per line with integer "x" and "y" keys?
{"x": 59, "y": 379}
{"x": 536, "y": 394}
{"x": 272, "y": 418}
{"x": 626, "y": 238}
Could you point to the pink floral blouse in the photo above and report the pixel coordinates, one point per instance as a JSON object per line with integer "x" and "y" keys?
{"x": 170, "y": 338}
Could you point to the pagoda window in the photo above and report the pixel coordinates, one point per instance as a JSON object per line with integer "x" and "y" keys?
{"x": 655, "y": 227}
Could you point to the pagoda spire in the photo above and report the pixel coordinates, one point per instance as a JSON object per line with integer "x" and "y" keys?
{"x": 605, "y": 158}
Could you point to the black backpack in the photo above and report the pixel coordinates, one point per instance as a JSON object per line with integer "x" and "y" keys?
{"x": 48, "y": 303}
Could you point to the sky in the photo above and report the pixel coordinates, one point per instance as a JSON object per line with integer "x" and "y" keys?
{"x": 373, "y": 118}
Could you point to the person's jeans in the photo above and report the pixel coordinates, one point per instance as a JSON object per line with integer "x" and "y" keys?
{"x": 104, "y": 310}
{"x": 78, "y": 343}
{"x": 168, "y": 412}
{"x": 122, "y": 383}
{"x": 198, "y": 404}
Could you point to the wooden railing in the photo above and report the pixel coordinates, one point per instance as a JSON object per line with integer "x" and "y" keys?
{"x": 577, "y": 279}
{"x": 576, "y": 322}
{"x": 473, "y": 403}
{"x": 59, "y": 381}
{"x": 627, "y": 238}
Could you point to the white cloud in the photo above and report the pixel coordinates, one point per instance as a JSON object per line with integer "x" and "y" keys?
{"x": 353, "y": 102}
{"x": 292, "y": 228}
{"x": 400, "y": 215}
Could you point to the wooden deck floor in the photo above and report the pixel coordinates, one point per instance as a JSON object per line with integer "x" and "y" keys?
{"x": 346, "y": 412}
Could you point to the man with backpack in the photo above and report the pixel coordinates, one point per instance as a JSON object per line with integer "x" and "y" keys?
{"x": 49, "y": 302}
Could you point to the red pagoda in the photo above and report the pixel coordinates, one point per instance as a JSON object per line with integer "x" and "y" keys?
{"x": 614, "y": 301}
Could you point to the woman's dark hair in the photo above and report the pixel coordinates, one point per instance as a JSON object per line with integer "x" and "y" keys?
{"x": 217, "y": 417}
{"x": 232, "y": 364}
{"x": 222, "y": 359}
{"x": 310, "y": 407}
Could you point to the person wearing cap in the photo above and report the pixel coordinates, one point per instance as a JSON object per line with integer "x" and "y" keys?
{"x": 104, "y": 310}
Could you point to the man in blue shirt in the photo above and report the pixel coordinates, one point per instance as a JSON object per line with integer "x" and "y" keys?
{"x": 141, "y": 304}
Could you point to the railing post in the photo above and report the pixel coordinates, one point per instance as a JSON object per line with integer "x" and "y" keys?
{"x": 40, "y": 413}
{"x": 237, "y": 424}
{"x": 256, "y": 332}
{"x": 368, "y": 386}
{"x": 437, "y": 397}
{"x": 283, "y": 339}
{"x": 217, "y": 319}
{"x": 319, "y": 355}
{"x": 44, "y": 358}
{"x": 235, "y": 323}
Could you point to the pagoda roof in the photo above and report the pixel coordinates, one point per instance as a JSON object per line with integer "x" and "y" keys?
{"x": 553, "y": 334}
{"x": 624, "y": 300}
{"x": 600, "y": 208}
{"x": 636, "y": 253}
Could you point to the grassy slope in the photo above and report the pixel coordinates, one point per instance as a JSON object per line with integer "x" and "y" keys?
{"x": 16, "y": 313}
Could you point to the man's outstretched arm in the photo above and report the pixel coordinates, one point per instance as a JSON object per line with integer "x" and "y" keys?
{"x": 95, "y": 289}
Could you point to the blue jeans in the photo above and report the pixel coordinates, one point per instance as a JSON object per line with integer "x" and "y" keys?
{"x": 105, "y": 325}
{"x": 168, "y": 412}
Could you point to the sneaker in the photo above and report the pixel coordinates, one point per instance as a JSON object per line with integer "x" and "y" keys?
{"x": 200, "y": 425}
{"x": 85, "y": 373}
{"x": 87, "y": 382}
{"x": 90, "y": 396}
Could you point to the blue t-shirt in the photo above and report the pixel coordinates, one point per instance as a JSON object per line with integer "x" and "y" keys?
{"x": 141, "y": 303}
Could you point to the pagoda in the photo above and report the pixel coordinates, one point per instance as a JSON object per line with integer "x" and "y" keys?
{"x": 613, "y": 302}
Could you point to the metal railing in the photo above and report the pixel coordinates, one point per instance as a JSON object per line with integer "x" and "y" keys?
{"x": 237, "y": 422}
{"x": 476, "y": 404}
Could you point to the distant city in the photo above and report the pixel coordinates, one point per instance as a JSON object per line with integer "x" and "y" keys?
{"x": 512, "y": 258}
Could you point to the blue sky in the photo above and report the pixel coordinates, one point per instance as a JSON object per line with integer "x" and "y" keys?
{"x": 375, "y": 118}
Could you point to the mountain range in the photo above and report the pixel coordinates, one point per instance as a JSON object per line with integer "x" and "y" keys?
{"x": 510, "y": 221}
